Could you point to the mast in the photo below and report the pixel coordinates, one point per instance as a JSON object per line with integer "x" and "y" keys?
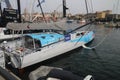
{"x": 0, "y": 9}
{"x": 64, "y": 8}
{"x": 19, "y": 10}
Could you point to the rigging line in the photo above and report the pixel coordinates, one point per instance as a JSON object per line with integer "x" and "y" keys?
{"x": 89, "y": 6}
{"x": 30, "y": 18}
{"x": 86, "y": 4}
{"x": 54, "y": 22}
{"x": 84, "y": 46}
{"x": 113, "y": 8}
{"x": 58, "y": 7}
{"x": 42, "y": 10}
{"x": 58, "y": 26}
{"x": 83, "y": 35}
{"x": 92, "y": 5}
{"x": 117, "y": 7}
{"x": 81, "y": 27}
{"x": 12, "y": 3}
{"x": 89, "y": 27}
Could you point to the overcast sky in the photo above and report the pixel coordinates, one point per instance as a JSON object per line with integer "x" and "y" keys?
{"x": 75, "y": 6}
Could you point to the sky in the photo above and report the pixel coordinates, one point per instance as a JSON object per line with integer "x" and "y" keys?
{"x": 75, "y": 6}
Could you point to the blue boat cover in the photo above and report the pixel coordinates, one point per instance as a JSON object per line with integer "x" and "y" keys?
{"x": 46, "y": 38}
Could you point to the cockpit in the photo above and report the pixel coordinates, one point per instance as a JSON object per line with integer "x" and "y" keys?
{"x": 35, "y": 41}
{"x": 31, "y": 43}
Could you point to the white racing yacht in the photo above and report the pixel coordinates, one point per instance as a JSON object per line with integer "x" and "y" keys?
{"x": 34, "y": 48}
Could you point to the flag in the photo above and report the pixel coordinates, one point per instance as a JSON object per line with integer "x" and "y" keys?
{"x": 42, "y": 1}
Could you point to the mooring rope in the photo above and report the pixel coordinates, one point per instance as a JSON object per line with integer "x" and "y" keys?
{"x": 84, "y": 46}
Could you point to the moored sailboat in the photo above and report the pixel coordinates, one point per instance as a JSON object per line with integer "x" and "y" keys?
{"x": 35, "y": 48}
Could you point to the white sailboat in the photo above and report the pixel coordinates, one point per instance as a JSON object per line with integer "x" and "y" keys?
{"x": 35, "y": 48}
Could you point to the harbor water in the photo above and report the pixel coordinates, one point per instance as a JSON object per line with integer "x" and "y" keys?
{"x": 103, "y": 63}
